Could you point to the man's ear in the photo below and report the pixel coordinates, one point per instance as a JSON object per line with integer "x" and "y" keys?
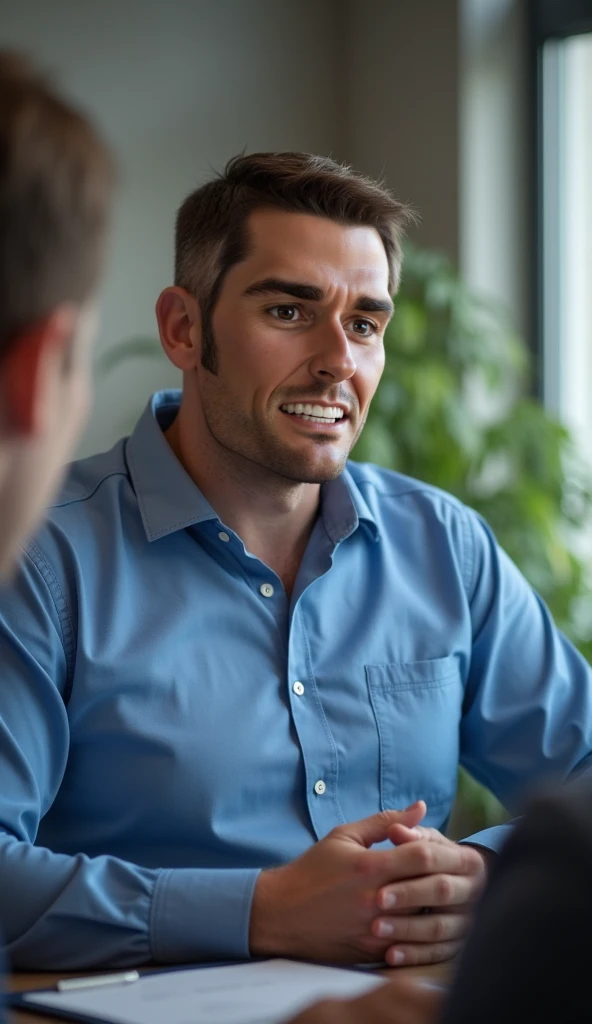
{"x": 36, "y": 355}
{"x": 179, "y": 324}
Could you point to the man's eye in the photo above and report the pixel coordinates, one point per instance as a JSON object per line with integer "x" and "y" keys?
{"x": 363, "y": 327}
{"x": 288, "y": 314}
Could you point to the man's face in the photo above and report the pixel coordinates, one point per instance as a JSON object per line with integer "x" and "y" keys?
{"x": 299, "y": 333}
{"x": 32, "y": 465}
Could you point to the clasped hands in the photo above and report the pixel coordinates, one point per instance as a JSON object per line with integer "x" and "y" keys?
{"x": 342, "y": 901}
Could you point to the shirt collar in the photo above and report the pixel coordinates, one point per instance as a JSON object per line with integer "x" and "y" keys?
{"x": 344, "y": 508}
{"x": 169, "y": 500}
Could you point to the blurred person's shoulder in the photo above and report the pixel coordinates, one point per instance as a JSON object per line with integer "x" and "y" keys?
{"x": 85, "y": 478}
{"x": 94, "y": 501}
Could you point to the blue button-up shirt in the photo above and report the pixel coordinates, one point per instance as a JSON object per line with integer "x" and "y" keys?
{"x": 171, "y": 722}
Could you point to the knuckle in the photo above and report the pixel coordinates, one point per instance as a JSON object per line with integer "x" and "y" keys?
{"x": 471, "y": 861}
{"x": 361, "y": 864}
{"x": 438, "y": 928}
{"x": 366, "y": 900}
{"x": 413, "y": 955}
{"x": 444, "y": 889}
{"x": 388, "y": 818}
{"x": 425, "y": 857}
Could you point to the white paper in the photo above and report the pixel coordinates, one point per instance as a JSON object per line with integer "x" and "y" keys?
{"x": 256, "y": 993}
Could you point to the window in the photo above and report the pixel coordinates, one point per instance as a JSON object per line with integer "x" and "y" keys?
{"x": 563, "y": 33}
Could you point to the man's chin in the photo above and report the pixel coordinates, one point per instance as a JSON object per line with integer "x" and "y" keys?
{"x": 304, "y": 470}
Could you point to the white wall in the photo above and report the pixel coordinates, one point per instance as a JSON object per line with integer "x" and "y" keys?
{"x": 179, "y": 87}
{"x": 401, "y": 87}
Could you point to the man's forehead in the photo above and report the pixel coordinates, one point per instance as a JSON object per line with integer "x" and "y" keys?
{"x": 303, "y": 246}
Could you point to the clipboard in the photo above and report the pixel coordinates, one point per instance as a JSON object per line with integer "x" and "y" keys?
{"x": 255, "y": 992}
{"x": 17, "y": 1000}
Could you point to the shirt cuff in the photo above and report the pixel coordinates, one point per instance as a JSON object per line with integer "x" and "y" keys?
{"x": 200, "y": 914}
{"x": 491, "y": 838}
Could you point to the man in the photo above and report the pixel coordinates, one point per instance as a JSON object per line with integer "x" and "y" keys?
{"x": 55, "y": 185}
{"x": 231, "y": 655}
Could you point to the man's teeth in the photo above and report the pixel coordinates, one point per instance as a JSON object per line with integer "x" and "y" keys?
{"x": 318, "y": 413}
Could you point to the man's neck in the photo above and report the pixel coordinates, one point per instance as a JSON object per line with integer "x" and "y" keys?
{"x": 273, "y": 516}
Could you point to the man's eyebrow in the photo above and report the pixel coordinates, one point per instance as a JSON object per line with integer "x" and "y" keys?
{"x": 310, "y": 293}
{"x": 276, "y": 286}
{"x": 368, "y": 305}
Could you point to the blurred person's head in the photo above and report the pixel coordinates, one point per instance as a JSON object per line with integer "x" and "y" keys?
{"x": 285, "y": 269}
{"x": 55, "y": 187}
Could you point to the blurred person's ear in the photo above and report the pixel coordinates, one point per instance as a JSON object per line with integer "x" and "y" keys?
{"x": 28, "y": 371}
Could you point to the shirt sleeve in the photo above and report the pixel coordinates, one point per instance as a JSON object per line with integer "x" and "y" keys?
{"x": 69, "y": 912}
{"x": 527, "y": 714}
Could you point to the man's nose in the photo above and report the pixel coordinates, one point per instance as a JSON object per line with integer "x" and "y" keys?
{"x": 333, "y": 359}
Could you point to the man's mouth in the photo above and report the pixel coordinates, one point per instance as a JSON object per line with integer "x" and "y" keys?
{"x": 327, "y": 415}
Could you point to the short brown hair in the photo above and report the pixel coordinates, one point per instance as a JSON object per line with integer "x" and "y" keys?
{"x": 56, "y": 180}
{"x": 211, "y": 231}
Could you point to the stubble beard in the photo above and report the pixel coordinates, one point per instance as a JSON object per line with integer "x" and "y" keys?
{"x": 254, "y": 442}
{"x": 250, "y": 440}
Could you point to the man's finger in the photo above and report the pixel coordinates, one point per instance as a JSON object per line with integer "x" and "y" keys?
{"x": 433, "y": 928}
{"x": 375, "y": 829}
{"x": 414, "y": 860}
{"x": 422, "y": 953}
{"x": 400, "y": 833}
{"x": 442, "y": 890}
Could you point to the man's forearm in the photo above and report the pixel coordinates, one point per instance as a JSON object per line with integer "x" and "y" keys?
{"x": 118, "y": 913}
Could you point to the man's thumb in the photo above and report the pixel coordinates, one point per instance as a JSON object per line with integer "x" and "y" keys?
{"x": 375, "y": 828}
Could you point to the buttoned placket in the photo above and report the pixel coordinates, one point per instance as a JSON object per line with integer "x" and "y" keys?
{"x": 316, "y": 741}
{"x": 319, "y": 753}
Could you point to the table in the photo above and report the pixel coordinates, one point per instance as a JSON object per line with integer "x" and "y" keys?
{"x": 19, "y": 981}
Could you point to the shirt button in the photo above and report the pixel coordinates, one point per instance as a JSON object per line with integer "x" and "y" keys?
{"x": 223, "y": 536}
{"x": 266, "y": 589}
{"x": 319, "y": 787}
{"x": 298, "y": 688}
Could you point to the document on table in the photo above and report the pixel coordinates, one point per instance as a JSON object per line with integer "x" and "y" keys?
{"x": 267, "y": 992}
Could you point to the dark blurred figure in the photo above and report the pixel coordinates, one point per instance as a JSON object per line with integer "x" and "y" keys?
{"x": 530, "y": 952}
{"x": 55, "y": 189}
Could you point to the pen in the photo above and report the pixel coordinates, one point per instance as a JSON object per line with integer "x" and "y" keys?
{"x": 122, "y": 978}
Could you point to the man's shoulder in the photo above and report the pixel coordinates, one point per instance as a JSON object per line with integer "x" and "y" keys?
{"x": 384, "y": 487}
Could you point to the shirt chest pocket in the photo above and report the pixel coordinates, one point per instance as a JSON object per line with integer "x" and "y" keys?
{"x": 417, "y": 707}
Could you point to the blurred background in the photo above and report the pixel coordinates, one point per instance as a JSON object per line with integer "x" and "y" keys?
{"x": 479, "y": 113}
